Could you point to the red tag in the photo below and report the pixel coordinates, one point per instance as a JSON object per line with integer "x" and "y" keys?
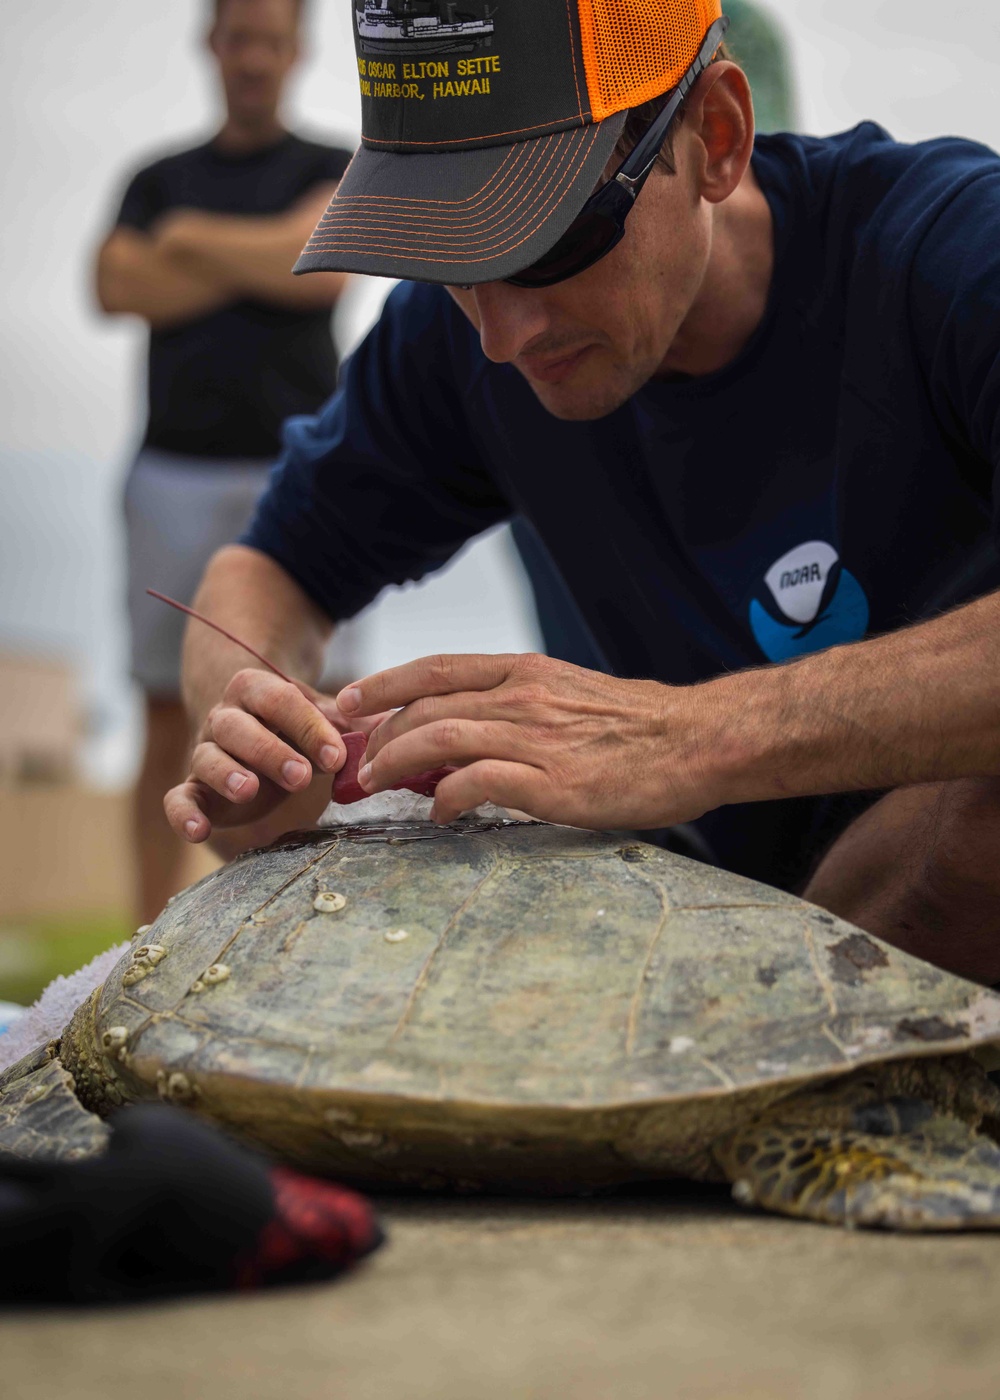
{"x": 346, "y": 787}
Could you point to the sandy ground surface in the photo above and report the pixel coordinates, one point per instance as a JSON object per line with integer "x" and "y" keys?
{"x": 672, "y": 1295}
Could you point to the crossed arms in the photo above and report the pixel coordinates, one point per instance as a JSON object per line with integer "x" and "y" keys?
{"x": 193, "y": 263}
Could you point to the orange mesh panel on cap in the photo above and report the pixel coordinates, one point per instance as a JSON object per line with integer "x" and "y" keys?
{"x": 635, "y": 49}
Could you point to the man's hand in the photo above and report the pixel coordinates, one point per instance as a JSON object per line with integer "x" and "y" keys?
{"x": 248, "y": 723}
{"x": 240, "y": 768}
{"x": 178, "y": 230}
{"x": 254, "y": 253}
{"x": 547, "y": 738}
{"x": 260, "y": 744}
{"x": 568, "y": 745}
{"x": 135, "y": 276}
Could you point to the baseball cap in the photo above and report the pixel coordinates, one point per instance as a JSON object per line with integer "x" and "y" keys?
{"x": 487, "y": 123}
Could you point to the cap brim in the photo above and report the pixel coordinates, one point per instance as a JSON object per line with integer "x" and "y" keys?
{"x": 459, "y": 216}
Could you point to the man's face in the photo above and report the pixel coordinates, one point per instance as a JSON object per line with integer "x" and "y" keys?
{"x": 255, "y": 43}
{"x": 588, "y": 344}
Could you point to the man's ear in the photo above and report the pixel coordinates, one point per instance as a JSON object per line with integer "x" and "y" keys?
{"x": 212, "y": 40}
{"x": 720, "y": 119}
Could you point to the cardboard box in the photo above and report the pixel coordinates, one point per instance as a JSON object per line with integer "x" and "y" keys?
{"x": 40, "y": 721}
{"x": 67, "y": 850}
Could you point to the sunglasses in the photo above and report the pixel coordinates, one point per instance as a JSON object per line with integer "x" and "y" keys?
{"x": 600, "y": 225}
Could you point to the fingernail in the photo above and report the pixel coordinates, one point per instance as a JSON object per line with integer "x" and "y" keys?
{"x": 349, "y": 699}
{"x": 328, "y": 756}
{"x": 192, "y": 827}
{"x": 365, "y": 774}
{"x": 293, "y": 772}
{"x": 235, "y": 781}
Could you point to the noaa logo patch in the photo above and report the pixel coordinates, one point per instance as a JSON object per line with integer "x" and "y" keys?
{"x": 809, "y": 602}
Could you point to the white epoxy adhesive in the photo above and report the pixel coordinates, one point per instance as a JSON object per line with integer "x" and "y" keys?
{"x": 399, "y": 805}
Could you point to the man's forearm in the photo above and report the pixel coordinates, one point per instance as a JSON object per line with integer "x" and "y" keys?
{"x": 134, "y": 277}
{"x": 254, "y": 598}
{"x": 255, "y": 253}
{"x": 918, "y": 705}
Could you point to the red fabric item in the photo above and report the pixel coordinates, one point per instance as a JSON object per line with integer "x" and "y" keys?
{"x": 318, "y": 1229}
{"x": 346, "y": 787}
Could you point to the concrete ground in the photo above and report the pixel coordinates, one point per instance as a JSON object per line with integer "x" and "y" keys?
{"x": 674, "y": 1294}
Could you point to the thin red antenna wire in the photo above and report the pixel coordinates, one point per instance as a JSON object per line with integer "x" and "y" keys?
{"x": 182, "y": 607}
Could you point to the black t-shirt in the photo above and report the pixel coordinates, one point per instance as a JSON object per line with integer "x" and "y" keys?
{"x": 834, "y": 482}
{"x": 221, "y": 386}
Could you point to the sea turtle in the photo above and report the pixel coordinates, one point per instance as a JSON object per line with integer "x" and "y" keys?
{"x": 526, "y": 1006}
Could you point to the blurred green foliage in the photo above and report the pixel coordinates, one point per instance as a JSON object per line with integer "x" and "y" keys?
{"x": 33, "y": 951}
{"x": 758, "y": 44}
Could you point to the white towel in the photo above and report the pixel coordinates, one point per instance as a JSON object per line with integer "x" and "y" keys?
{"x": 48, "y": 1017}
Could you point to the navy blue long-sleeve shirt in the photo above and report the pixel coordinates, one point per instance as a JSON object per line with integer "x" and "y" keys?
{"x": 835, "y": 481}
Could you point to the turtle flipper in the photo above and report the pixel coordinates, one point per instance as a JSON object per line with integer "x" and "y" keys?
{"x": 901, "y": 1163}
{"x": 41, "y": 1116}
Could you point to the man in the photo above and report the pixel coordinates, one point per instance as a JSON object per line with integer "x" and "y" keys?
{"x": 751, "y": 407}
{"x": 201, "y": 250}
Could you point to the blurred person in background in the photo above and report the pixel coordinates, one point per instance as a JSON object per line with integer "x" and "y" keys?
{"x": 202, "y": 249}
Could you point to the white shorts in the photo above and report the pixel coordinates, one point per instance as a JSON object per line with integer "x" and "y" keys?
{"x": 178, "y": 512}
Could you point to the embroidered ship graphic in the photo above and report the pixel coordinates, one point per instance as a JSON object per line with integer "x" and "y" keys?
{"x": 440, "y": 25}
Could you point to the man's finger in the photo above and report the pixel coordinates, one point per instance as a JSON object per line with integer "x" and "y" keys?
{"x": 430, "y": 675}
{"x": 347, "y": 724}
{"x": 187, "y": 807}
{"x": 446, "y": 741}
{"x": 468, "y": 705}
{"x": 216, "y": 769}
{"x": 249, "y": 745}
{"x": 515, "y": 785}
{"x": 368, "y": 724}
{"x": 284, "y": 707}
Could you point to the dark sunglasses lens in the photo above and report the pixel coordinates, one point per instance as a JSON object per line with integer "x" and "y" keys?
{"x": 588, "y": 238}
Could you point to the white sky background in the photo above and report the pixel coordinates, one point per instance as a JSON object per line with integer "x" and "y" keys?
{"x": 89, "y": 88}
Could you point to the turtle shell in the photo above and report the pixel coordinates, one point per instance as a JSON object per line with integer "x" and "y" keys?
{"x": 517, "y": 1005}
